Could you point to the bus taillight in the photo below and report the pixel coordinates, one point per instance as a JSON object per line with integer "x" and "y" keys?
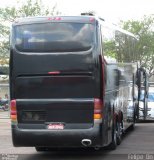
{"x": 13, "y": 111}
{"x": 54, "y": 72}
{"x": 98, "y": 105}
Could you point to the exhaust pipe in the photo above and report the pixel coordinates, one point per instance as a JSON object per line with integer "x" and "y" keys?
{"x": 86, "y": 142}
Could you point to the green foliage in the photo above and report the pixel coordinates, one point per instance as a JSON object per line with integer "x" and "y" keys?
{"x": 144, "y": 30}
{"x": 109, "y": 48}
{"x": 9, "y": 14}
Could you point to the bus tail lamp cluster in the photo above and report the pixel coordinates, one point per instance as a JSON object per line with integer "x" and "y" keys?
{"x": 98, "y": 105}
{"x": 13, "y": 111}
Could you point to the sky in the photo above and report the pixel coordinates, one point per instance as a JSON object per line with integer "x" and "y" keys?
{"x": 111, "y": 10}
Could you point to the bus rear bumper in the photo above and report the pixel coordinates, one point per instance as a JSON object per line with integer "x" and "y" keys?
{"x": 56, "y": 138}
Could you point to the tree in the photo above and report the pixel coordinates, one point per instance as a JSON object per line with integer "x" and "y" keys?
{"x": 144, "y": 30}
{"x": 9, "y": 14}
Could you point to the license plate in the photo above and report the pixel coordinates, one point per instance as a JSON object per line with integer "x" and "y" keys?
{"x": 59, "y": 126}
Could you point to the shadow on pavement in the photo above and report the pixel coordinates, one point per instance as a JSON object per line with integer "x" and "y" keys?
{"x": 75, "y": 155}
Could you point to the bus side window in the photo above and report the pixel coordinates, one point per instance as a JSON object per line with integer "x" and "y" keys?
{"x": 108, "y": 42}
{"x": 117, "y": 76}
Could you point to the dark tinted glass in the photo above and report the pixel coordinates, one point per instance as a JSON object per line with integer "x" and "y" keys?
{"x": 54, "y": 37}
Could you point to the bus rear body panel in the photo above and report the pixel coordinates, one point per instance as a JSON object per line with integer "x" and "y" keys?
{"x": 55, "y": 84}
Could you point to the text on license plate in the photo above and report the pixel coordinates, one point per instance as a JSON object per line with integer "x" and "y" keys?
{"x": 56, "y": 126}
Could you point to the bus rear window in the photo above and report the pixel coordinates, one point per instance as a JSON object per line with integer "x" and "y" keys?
{"x": 54, "y": 37}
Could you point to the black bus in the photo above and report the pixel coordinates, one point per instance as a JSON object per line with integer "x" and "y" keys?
{"x": 73, "y": 82}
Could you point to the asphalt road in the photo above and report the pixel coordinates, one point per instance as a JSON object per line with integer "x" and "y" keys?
{"x": 137, "y": 144}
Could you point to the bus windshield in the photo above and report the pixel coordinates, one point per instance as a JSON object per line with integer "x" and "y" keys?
{"x": 54, "y": 37}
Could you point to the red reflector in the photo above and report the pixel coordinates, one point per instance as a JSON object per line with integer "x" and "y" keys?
{"x": 54, "y": 72}
{"x": 13, "y": 112}
{"x": 13, "y": 103}
{"x": 97, "y": 103}
{"x": 54, "y": 18}
{"x": 58, "y": 18}
{"x": 92, "y": 19}
{"x": 97, "y": 111}
{"x": 49, "y": 18}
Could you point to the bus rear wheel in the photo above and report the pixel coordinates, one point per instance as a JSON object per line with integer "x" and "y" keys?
{"x": 113, "y": 144}
{"x": 119, "y": 131}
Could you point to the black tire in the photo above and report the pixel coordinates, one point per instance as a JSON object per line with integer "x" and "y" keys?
{"x": 135, "y": 117}
{"x": 113, "y": 144}
{"x": 119, "y": 132}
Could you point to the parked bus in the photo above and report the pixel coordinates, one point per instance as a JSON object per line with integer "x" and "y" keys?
{"x": 73, "y": 82}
